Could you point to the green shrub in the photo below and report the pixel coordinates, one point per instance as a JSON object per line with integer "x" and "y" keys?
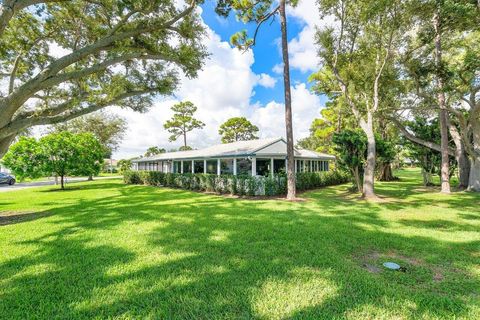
{"x": 132, "y": 177}
{"x": 232, "y": 185}
{"x": 251, "y": 185}
{"x": 153, "y": 178}
{"x": 169, "y": 179}
{"x": 237, "y": 185}
{"x": 241, "y": 186}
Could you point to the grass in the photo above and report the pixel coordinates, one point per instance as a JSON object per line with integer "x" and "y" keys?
{"x": 108, "y": 250}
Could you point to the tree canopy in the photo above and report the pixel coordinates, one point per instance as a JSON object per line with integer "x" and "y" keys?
{"x": 60, "y": 154}
{"x": 64, "y": 59}
{"x": 238, "y": 129}
{"x": 152, "y": 151}
{"x": 108, "y": 128}
{"x": 183, "y": 121}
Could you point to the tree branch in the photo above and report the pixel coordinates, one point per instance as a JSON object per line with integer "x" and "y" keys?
{"x": 58, "y": 113}
{"x": 417, "y": 140}
{"x": 13, "y": 74}
{"x": 18, "y": 97}
{"x": 259, "y": 23}
{"x": 10, "y": 7}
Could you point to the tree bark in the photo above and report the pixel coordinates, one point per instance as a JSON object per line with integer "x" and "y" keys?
{"x": 5, "y": 144}
{"x": 369, "y": 173}
{"x": 291, "y": 190}
{"x": 62, "y": 185}
{"x": 427, "y": 178}
{"x": 443, "y": 114}
{"x": 386, "y": 173}
{"x": 474, "y": 179}
{"x": 461, "y": 158}
{"x": 358, "y": 182}
{"x": 417, "y": 140}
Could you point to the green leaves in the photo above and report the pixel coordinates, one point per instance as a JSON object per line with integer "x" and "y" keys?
{"x": 90, "y": 54}
{"x": 238, "y": 129}
{"x": 182, "y": 121}
{"x": 25, "y": 158}
{"x": 60, "y": 154}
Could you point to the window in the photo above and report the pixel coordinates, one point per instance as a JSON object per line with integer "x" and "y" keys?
{"x": 279, "y": 166}
{"x": 212, "y": 166}
{"x": 187, "y": 166}
{"x": 198, "y": 166}
{"x": 226, "y": 166}
{"x": 244, "y": 166}
{"x": 263, "y": 167}
{"x": 307, "y": 166}
{"x": 177, "y": 166}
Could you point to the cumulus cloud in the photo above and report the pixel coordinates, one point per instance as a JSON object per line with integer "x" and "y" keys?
{"x": 302, "y": 50}
{"x": 266, "y": 80}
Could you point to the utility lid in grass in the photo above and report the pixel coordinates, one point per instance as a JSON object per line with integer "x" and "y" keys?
{"x": 391, "y": 266}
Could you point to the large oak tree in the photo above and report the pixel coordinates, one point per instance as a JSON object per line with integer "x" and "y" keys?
{"x": 358, "y": 63}
{"x": 63, "y": 59}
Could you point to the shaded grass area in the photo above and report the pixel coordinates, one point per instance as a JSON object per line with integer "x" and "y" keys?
{"x": 109, "y": 250}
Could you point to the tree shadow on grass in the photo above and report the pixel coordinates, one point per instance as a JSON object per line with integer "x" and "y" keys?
{"x": 440, "y": 224}
{"x": 162, "y": 253}
{"x": 13, "y": 217}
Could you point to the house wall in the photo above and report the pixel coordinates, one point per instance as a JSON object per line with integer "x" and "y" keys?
{"x": 278, "y": 148}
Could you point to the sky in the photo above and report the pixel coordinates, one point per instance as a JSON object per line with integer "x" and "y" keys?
{"x": 235, "y": 83}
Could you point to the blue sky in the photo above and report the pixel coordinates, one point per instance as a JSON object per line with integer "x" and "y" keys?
{"x": 266, "y": 50}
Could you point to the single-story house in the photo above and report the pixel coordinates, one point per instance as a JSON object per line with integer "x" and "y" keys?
{"x": 254, "y": 157}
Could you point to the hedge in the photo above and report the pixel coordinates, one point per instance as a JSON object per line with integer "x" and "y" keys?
{"x": 236, "y": 185}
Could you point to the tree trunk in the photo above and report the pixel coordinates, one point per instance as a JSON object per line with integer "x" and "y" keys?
{"x": 90, "y": 178}
{"x": 185, "y": 139}
{"x": 358, "y": 182}
{"x": 445, "y": 166}
{"x": 5, "y": 144}
{"x": 369, "y": 174}
{"x": 291, "y": 192}
{"x": 464, "y": 168}
{"x": 427, "y": 178}
{"x": 62, "y": 185}
{"x": 386, "y": 173}
{"x": 474, "y": 179}
{"x": 443, "y": 115}
{"x": 461, "y": 158}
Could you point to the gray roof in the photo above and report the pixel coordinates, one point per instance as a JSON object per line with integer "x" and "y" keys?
{"x": 234, "y": 149}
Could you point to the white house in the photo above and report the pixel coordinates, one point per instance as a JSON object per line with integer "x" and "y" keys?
{"x": 254, "y": 157}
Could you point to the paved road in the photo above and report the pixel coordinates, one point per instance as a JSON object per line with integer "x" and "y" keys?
{"x": 26, "y": 185}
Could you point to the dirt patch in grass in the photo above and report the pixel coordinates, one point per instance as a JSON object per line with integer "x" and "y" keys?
{"x": 372, "y": 262}
{"x": 13, "y": 217}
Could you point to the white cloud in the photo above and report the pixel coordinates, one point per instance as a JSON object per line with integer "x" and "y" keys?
{"x": 278, "y": 68}
{"x": 266, "y": 80}
{"x": 302, "y": 49}
{"x": 271, "y": 118}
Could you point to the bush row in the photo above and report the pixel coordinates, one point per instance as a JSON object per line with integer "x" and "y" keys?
{"x": 235, "y": 185}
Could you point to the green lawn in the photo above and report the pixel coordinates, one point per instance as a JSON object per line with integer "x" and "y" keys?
{"x": 108, "y": 250}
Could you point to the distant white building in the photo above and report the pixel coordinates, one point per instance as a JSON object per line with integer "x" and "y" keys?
{"x": 4, "y": 169}
{"x": 255, "y": 157}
